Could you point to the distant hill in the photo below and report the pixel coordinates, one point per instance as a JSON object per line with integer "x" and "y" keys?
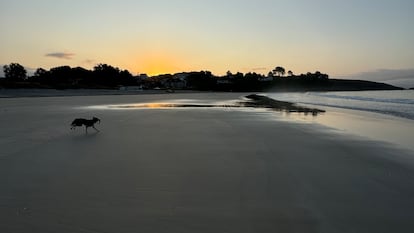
{"x": 401, "y": 78}
{"x": 356, "y": 85}
{"x": 332, "y": 85}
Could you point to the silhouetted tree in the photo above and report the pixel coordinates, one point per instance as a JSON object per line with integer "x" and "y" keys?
{"x": 106, "y": 74}
{"x": 290, "y": 73}
{"x": 105, "y": 70}
{"x": 126, "y": 78}
{"x": 15, "y": 72}
{"x": 229, "y": 74}
{"x": 247, "y": 82}
{"x": 40, "y": 72}
{"x": 279, "y": 71}
{"x": 238, "y": 75}
{"x": 110, "y": 76}
{"x": 270, "y": 74}
{"x": 61, "y": 74}
{"x": 203, "y": 80}
{"x": 41, "y": 76}
{"x": 81, "y": 77}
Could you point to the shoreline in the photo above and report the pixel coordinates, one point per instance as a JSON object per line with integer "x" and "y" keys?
{"x": 367, "y": 122}
{"x": 23, "y": 93}
{"x": 192, "y": 170}
{"x": 26, "y": 93}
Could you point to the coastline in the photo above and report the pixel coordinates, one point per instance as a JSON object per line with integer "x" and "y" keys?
{"x": 192, "y": 169}
{"x": 22, "y": 93}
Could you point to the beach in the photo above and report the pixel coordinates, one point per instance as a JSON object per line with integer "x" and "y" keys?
{"x": 204, "y": 169}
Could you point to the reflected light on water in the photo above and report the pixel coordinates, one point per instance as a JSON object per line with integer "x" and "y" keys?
{"x": 155, "y": 105}
{"x": 366, "y": 124}
{"x": 278, "y": 106}
{"x": 374, "y": 126}
{"x": 136, "y": 106}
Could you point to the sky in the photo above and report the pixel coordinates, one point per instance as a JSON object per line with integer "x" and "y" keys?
{"x": 168, "y": 36}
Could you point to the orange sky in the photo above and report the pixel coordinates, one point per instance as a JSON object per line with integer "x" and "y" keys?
{"x": 160, "y": 36}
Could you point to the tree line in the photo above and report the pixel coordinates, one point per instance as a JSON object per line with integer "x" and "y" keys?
{"x": 101, "y": 76}
{"x": 107, "y": 76}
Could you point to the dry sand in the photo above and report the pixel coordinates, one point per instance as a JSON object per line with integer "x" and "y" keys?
{"x": 192, "y": 170}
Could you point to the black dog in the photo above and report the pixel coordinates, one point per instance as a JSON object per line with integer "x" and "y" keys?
{"x": 86, "y": 123}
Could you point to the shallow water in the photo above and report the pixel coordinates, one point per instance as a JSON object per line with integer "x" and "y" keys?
{"x": 343, "y": 118}
{"x": 395, "y": 103}
{"x": 386, "y": 116}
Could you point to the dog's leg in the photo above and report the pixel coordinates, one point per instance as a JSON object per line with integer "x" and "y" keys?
{"x": 95, "y": 128}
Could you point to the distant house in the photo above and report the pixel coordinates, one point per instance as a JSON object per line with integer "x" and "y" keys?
{"x": 182, "y": 76}
{"x": 176, "y": 81}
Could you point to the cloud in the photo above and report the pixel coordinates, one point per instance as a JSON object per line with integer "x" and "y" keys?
{"x": 61, "y": 55}
{"x": 89, "y": 61}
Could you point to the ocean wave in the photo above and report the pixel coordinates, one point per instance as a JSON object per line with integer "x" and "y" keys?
{"x": 395, "y": 103}
{"x": 369, "y": 99}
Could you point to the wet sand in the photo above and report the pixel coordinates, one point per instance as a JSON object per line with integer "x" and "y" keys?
{"x": 192, "y": 170}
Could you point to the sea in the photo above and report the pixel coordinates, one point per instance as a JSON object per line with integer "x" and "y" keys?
{"x": 386, "y": 116}
{"x": 395, "y": 103}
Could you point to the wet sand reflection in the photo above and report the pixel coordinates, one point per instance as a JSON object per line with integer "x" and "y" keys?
{"x": 251, "y": 101}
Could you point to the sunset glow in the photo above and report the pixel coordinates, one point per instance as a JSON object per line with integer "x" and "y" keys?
{"x": 159, "y": 36}
{"x": 157, "y": 63}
